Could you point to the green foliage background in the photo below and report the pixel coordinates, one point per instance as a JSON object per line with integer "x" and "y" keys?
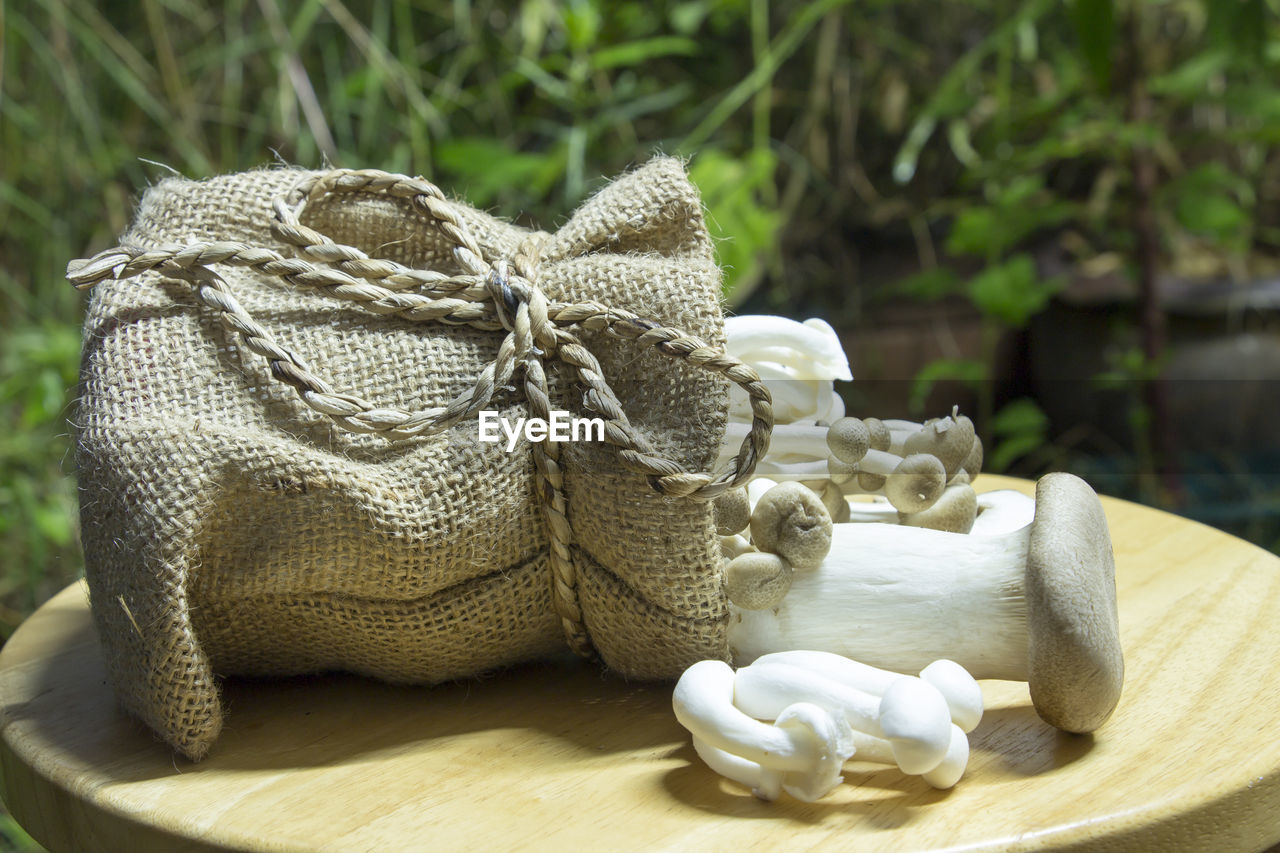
{"x": 960, "y": 137}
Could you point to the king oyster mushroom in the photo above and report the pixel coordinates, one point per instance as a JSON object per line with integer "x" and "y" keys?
{"x": 1034, "y": 604}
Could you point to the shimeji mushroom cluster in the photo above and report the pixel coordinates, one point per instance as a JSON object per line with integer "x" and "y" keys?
{"x": 834, "y": 596}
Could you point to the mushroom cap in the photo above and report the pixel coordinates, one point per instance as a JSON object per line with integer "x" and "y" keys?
{"x": 1075, "y": 666}
{"x": 972, "y": 464}
{"x": 953, "y": 512}
{"x": 732, "y": 512}
{"x": 916, "y": 484}
{"x": 757, "y": 580}
{"x": 878, "y": 433}
{"x": 950, "y": 439}
{"x": 792, "y": 522}
{"x": 831, "y": 741}
{"x": 960, "y": 689}
{"x": 848, "y": 439}
{"x": 915, "y": 719}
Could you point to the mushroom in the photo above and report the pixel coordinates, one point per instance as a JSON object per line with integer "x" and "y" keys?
{"x": 755, "y": 580}
{"x": 1035, "y": 604}
{"x": 959, "y": 689}
{"x": 954, "y": 511}
{"x": 732, "y": 512}
{"x": 735, "y": 546}
{"x": 911, "y": 715}
{"x": 1002, "y": 511}
{"x": 911, "y": 485}
{"x": 950, "y": 439}
{"x": 811, "y": 349}
{"x": 798, "y": 362}
{"x": 802, "y": 752}
{"x": 945, "y": 775}
{"x": 791, "y": 521}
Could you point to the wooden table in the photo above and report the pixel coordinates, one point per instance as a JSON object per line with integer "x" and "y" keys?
{"x": 561, "y": 757}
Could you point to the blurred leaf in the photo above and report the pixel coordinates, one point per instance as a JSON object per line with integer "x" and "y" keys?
{"x": 1212, "y": 201}
{"x": 1012, "y": 292}
{"x": 974, "y": 231}
{"x": 742, "y": 222}
{"x": 1095, "y": 25}
{"x": 1238, "y": 27}
{"x": 1191, "y": 79}
{"x": 969, "y": 371}
{"x": 581, "y": 23}
{"x": 1020, "y": 427}
{"x": 932, "y": 284}
{"x": 488, "y": 168}
{"x": 950, "y": 95}
{"x": 643, "y": 50}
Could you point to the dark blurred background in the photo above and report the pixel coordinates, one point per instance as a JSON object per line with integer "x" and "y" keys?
{"x": 1063, "y": 217}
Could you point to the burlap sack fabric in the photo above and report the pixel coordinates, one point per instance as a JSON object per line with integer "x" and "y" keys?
{"x": 235, "y": 525}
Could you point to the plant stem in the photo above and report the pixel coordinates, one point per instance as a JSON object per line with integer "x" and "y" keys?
{"x": 1151, "y": 320}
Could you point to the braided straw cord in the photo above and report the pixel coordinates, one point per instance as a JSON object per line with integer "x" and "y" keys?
{"x": 487, "y": 295}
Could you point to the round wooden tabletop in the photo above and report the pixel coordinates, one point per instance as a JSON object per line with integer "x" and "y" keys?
{"x": 561, "y": 756}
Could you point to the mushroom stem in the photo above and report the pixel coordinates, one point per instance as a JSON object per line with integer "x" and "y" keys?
{"x": 912, "y": 714}
{"x": 960, "y": 690}
{"x": 806, "y": 745}
{"x": 900, "y": 598}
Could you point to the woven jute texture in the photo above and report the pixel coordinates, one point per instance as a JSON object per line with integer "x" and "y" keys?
{"x": 230, "y": 528}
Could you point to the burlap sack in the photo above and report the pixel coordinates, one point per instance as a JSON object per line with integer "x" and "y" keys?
{"x": 235, "y": 525}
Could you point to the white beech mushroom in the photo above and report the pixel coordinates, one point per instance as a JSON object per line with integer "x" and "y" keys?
{"x": 912, "y": 714}
{"x": 959, "y": 689}
{"x": 1037, "y": 604}
{"x": 802, "y": 752}
{"x": 945, "y": 775}
{"x": 797, "y": 361}
{"x": 857, "y": 692}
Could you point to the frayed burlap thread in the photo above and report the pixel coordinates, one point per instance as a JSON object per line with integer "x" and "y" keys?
{"x": 243, "y": 516}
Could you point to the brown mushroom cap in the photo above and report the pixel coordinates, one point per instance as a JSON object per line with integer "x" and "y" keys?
{"x": 916, "y": 484}
{"x": 1075, "y": 665}
{"x": 972, "y": 464}
{"x": 732, "y": 511}
{"x": 878, "y": 433}
{"x": 848, "y": 439}
{"x": 953, "y": 512}
{"x": 757, "y": 580}
{"x": 881, "y": 439}
{"x": 792, "y": 522}
{"x": 950, "y": 439}
{"x": 833, "y": 499}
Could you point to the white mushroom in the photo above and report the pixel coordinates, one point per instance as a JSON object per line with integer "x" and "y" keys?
{"x": 801, "y": 752}
{"x": 912, "y": 714}
{"x": 1002, "y": 511}
{"x": 945, "y": 775}
{"x": 959, "y": 689}
{"x": 1035, "y": 604}
{"x": 812, "y": 348}
{"x": 797, "y": 361}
